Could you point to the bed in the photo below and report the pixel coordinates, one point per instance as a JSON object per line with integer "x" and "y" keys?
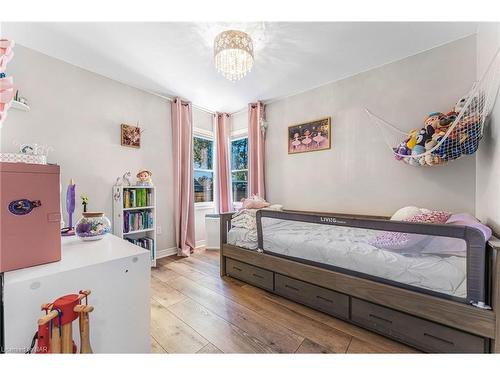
{"x": 445, "y": 280}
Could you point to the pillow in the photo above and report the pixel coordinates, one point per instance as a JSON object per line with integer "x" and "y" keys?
{"x": 431, "y": 217}
{"x": 470, "y": 221}
{"x": 456, "y": 246}
{"x": 407, "y": 212}
{"x": 254, "y": 202}
{"x": 410, "y": 241}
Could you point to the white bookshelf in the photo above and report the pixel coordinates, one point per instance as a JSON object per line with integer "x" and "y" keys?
{"x": 120, "y": 211}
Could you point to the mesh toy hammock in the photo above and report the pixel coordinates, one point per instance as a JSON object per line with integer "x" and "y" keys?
{"x": 447, "y": 137}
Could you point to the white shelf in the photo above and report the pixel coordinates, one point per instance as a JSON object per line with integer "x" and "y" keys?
{"x": 139, "y": 231}
{"x": 138, "y": 208}
{"x": 119, "y": 213}
{"x": 20, "y": 106}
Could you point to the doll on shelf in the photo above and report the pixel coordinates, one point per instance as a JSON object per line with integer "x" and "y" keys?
{"x": 144, "y": 178}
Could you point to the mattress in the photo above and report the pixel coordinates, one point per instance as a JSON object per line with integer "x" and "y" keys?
{"x": 350, "y": 249}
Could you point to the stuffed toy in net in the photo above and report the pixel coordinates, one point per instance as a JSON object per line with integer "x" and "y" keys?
{"x": 447, "y": 136}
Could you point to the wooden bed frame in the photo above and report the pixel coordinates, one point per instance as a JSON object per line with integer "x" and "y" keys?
{"x": 460, "y": 316}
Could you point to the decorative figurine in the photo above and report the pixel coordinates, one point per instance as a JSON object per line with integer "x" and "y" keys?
{"x": 85, "y": 201}
{"x": 126, "y": 179}
{"x": 144, "y": 178}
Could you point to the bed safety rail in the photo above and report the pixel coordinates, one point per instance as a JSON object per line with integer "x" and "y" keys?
{"x": 476, "y": 254}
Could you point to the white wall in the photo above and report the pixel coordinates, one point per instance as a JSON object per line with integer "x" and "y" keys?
{"x": 488, "y": 156}
{"x": 239, "y": 122}
{"x": 359, "y": 173}
{"x": 79, "y": 113}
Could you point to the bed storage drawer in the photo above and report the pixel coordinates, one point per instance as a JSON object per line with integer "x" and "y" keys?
{"x": 251, "y": 274}
{"x": 319, "y": 298}
{"x": 423, "y": 334}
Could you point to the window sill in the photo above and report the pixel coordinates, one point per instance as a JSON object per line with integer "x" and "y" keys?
{"x": 204, "y": 205}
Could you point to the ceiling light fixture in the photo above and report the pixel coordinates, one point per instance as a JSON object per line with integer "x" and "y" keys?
{"x": 233, "y": 54}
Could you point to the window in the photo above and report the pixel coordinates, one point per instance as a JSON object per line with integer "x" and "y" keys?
{"x": 203, "y": 152}
{"x": 239, "y": 168}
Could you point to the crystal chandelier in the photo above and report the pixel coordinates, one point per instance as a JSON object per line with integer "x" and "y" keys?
{"x": 233, "y": 54}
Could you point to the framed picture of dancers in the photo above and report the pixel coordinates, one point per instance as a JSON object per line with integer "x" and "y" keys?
{"x": 310, "y": 136}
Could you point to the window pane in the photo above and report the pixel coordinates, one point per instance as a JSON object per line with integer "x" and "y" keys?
{"x": 239, "y": 180}
{"x": 203, "y": 186}
{"x": 239, "y": 154}
{"x": 202, "y": 153}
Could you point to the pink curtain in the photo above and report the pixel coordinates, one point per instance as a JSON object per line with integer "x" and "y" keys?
{"x": 256, "y": 150}
{"x": 222, "y": 127}
{"x": 182, "y": 142}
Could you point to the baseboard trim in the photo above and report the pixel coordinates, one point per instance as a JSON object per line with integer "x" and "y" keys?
{"x": 201, "y": 243}
{"x": 166, "y": 252}
{"x": 173, "y": 251}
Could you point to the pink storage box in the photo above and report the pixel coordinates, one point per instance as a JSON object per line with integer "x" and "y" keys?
{"x": 30, "y": 215}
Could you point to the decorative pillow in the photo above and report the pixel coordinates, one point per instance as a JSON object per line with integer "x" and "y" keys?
{"x": 407, "y": 212}
{"x": 456, "y": 246}
{"x": 432, "y": 217}
{"x": 410, "y": 241}
{"x": 470, "y": 221}
{"x": 254, "y": 202}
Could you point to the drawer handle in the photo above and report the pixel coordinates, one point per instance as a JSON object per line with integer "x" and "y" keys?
{"x": 324, "y": 299}
{"x": 237, "y": 268}
{"x": 258, "y": 276}
{"x": 380, "y": 318}
{"x": 291, "y": 287}
{"x": 439, "y": 339}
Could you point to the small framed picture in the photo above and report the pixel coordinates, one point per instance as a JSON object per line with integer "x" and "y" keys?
{"x": 130, "y": 136}
{"x": 310, "y": 136}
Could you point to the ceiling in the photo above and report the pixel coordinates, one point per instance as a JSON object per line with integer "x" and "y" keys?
{"x": 173, "y": 58}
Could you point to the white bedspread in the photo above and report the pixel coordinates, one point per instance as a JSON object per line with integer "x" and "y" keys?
{"x": 349, "y": 248}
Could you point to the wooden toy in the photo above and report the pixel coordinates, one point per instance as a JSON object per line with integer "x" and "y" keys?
{"x": 55, "y": 329}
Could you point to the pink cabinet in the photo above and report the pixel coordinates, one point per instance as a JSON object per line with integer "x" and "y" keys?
{"x": 29, "y": 215}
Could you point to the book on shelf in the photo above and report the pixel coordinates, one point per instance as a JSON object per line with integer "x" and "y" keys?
{"x": 144, "y": 242}
{"x": 134, "y": 221}
{"x": 137, "y": 197}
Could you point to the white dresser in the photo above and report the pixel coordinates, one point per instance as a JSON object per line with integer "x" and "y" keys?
{"x": 118, "y": 274}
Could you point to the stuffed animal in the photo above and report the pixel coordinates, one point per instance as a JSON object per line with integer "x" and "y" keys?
{"x": 470, "y": 145}
{"x": 433, "y": 121}
{"x": 419, "y": 148}
{"x": 462, "y": 138}
{"x": 422, "y": 137}
{"x": 412, "y": 139}
{"x": 401, "y": 150}
{"x": 429, "y": 157}
{"x": 451, "y": 116}
{"x": 461, "y": 104}
{"x": 442, "y": 150}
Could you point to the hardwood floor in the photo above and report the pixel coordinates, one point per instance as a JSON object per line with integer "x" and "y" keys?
{"x": 193, "y": 310}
